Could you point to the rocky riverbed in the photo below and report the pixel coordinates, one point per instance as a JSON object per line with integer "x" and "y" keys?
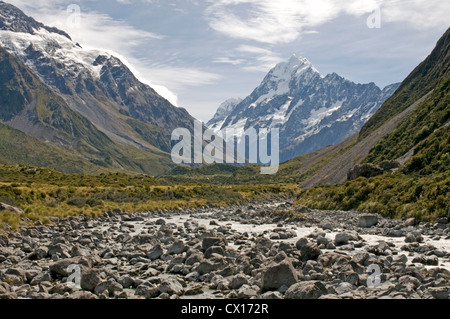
{"x": 264, "y": 250}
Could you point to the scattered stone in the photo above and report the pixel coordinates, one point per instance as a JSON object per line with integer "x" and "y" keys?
{"x": 310, "y": 251}
{"x": 275, "y": 276}
{"x": 368, "y": 220}
{"x": 10, "y": 208}
{"x": 238, "y": 281}
{"x": 171, "y": 286}
{"x": 155, "y": 253}
{"x": 306, "y": 290}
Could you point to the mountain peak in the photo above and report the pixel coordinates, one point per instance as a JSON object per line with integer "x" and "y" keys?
{"x": 293, "y": 67}
{"x": 13, "y": 19}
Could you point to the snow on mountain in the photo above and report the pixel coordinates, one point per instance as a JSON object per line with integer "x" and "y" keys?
{"x": 94, "y": 83}
{"x": 312, "y": 111}
{"x": 55, "y": 46}
{"x": 223, "y": 112}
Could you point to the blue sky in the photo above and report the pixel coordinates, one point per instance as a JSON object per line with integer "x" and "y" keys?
{"x": 198, "y": 53}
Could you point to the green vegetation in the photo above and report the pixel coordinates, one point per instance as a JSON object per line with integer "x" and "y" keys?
{"x": 425, "y": 78}
{"x": 395, "y": 196}
{"x": 426, "y": 119}
{"x": 421, "y": 188}
{"x": 44, "y": 193}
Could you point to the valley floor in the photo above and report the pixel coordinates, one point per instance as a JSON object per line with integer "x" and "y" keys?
{"x": 266, "y": 249}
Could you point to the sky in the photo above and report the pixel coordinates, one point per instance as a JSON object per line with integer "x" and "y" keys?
{"x": 199, "y": 53}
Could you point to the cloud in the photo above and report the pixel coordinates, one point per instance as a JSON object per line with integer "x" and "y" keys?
{"x": 284, "y": 21}
{"x": 100, "y": 31}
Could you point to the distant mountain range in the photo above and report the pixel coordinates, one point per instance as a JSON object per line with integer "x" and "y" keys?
{"x": 312, "y": 111}
{"x": 84, "y": 105}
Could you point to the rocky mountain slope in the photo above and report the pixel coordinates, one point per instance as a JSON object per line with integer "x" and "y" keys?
{"x": 312, "y": 111}
{"x": 87, "y": 101}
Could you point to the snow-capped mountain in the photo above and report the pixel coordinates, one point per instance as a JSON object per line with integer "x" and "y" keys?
{"x": 93, "y": 85}
{"x": 312, "y": 111}
{"x": 224, "y": 110}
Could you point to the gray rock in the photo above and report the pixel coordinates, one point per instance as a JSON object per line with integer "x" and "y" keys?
{"x": 41, "y": 252}
{"x": 263, "y": 242}
{"x": 213, "y": 241}
{"x": 342, "y": 239}
{"x": 367, "y": 220}
{"x": 176, "y": 248}
{"x": 19, "y": 273}
{"x": 61, "y": 267}
{"x": 147, "y": 290}
{"x": 301, "y": 242}
{"x": 409, "y": 222}
{"x": 310, "y": 251}
{"x": 10, "y": 208}
{"x": 306, "y": 290}
{"x": 238, "y": 281}
{"x": 274, "y": 295}
{"x": 4, "y": 241}
{"x": 194, "y": 258}
{"x": 442, "y": 293}
{"x": 82, "y": 295}
{"x": 155, "y": 253}
{"x": 277, "y": 275}
{"x": 413, "y": 237}
{"x": 207, "y": 266}
{"x": 126, "y": 281}
{"x": 410, "y": 281}
{"x": 110, "y": 286}
{"x": 171, "y": 286}
{"x": 247, "y": 292}
{"x": 6, "y": 251}
{"x": 214, "y": 250}
{"x": 364, "y": 170}
{"x": 90, "y": 278}
{"x": 43, "y": 276}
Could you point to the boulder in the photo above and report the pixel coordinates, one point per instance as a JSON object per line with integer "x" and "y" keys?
{"x": 342, "y": 239}
{"x": 277, "y": 275}
{"x": 10, "y": 208}
{"x": 310, "y": 251}
{"x": 367, "y": 220}
{"x": 238, "y": 281}
{"x": 170, "y": 286}
{"x": 147, "y": 290}
{"x": 90, "y": 278}
{"x": 208, "y": 242}
{"x": 409, "y": 222}
{"x": 364, "y": 170}
{"x": 82, "y": 295}
{"x": 306, "y": 290}
{"x": 176, "y": 248}
{"x": 155, "y": 253}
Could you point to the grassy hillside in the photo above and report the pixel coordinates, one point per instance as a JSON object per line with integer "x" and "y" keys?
{"x": 421, "y": 188}
{"x": 428, "y": 117}
{"x": 423, "y": 79}
{"x": 18, "y": 147}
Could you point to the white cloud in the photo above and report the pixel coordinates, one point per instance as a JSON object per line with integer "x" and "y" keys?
{"x": 100, "y": 31}
{"x": 284, "y": 21}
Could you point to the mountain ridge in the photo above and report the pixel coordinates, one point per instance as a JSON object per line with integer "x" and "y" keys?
{"x": 311, "y": 110}
{"x": 125, "y": 123}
